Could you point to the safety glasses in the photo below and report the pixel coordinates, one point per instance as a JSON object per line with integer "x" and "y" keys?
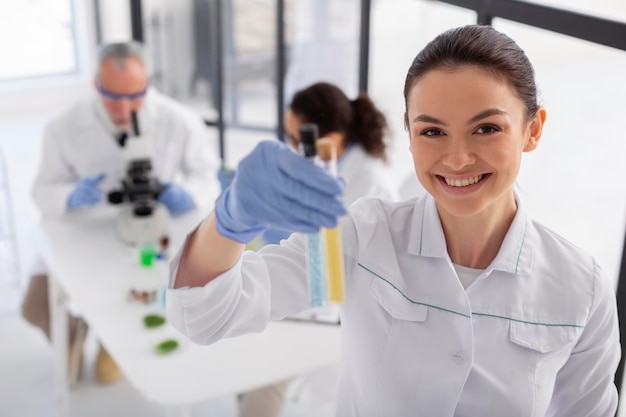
{"x": 108, "y": 95}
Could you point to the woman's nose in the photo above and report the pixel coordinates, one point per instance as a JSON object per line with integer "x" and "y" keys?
{"x": 459, "y": 154}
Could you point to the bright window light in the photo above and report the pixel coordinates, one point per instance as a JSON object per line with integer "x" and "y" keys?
{"x": 37, "y": 38}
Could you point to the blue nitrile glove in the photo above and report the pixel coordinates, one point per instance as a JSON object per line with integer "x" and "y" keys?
{"x": 86, "y": 193}
{"x": 175, "y": 199}
{"x": 273, "y": 235}
{"x": 225, "y": 177}
{"x": 276, "y": 187}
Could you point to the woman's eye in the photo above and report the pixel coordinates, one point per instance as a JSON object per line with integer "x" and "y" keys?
{"x": 431, "y": 132}
{"x": 487, "y": 129}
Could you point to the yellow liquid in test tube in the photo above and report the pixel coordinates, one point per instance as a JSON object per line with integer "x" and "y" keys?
{"x": 334, "y": 265}
{"x": 332, "y": 238}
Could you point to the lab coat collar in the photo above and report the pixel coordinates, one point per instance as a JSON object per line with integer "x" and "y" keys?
{"x": 516, "y": 253}
{"x": 427, "y": 238}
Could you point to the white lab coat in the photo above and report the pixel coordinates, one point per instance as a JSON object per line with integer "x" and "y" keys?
{"x": 365, "y": 176}
{"x": 536, "y": 334}
{"x": 80, "y": 143}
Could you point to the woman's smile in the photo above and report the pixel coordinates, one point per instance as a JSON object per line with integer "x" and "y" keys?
{"x": 463, "y": 182}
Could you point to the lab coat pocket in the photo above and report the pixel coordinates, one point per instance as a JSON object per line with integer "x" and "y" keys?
{"x": 398, "y": 305}
{"x": 538, "y": 352}
{"x": 408, "y": 367}
{"x": 542, "y": 338}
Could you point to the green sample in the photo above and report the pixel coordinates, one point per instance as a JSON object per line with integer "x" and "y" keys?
{"x": 147, "y": 254}
{"x": 166, "y": 347}
{"x": 153, "y": 320}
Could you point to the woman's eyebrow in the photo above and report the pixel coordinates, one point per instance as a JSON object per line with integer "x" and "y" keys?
{"x": 485, "y": 114}
{"x": 429, "y": 119}
{"x": 482, "y": 115}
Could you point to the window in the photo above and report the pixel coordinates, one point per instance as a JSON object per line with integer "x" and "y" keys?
{"x": 37, "y": 38}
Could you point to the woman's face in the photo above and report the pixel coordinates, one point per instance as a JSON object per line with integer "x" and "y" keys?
{"x": 292, "y": 123}
{"x": 468, "y": 130}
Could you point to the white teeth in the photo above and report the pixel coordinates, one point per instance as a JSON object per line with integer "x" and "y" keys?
{"x": 464, "y": 182}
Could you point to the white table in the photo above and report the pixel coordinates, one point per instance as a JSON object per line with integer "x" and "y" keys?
{"x": 93, "y": 268}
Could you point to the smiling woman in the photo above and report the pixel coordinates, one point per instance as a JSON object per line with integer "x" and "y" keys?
{"x": 471, "y": 112}
{"x": 468, "y": 158}
{"x": 457, "y": 302}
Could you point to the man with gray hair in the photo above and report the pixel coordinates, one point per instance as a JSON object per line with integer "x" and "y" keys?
{"x": 83, "y": 160}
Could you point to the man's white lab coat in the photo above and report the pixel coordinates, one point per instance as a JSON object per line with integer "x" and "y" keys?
{"x": 365, "y": 176}
{"x": 81, "y": 143}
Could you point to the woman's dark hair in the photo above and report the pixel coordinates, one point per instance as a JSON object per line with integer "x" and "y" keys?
{"x": 359, "y": 120}
{"x": 479, "y": 46}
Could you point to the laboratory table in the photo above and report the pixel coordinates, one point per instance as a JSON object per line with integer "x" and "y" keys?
{"x": 94, "y": 270}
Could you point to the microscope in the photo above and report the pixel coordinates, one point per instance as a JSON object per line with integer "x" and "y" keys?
{"x": 143, "y": 218}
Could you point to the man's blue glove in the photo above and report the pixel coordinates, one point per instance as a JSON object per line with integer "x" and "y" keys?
{"x": 276, "y": 187}
{"x": 225, "y": 177}
{"x": 175, "y": 199}
{"x": 86, "y": 193}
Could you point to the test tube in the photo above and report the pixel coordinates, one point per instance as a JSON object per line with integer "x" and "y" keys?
{"x": 332, "y": 237}
{"x": 315, "y": 263}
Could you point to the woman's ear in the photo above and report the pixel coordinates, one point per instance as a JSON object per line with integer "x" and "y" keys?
{"x": 535, "y": 129}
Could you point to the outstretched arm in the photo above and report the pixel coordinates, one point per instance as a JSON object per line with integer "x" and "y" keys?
{"x": 206, "y": 255}
{"x": 273, "y": 186}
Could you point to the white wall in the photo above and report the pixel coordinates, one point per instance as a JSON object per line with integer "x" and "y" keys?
{"x": 115, "y": 20}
